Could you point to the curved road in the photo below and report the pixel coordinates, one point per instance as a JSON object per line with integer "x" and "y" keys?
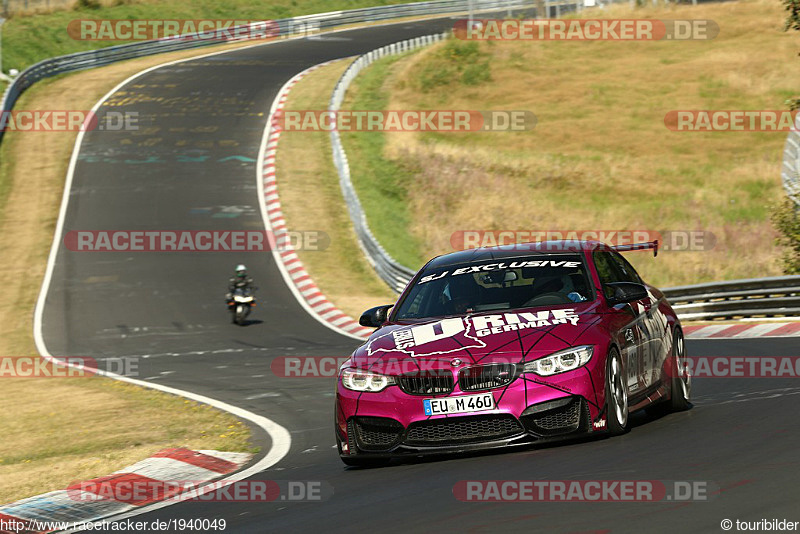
{"x": 201, "y": 123}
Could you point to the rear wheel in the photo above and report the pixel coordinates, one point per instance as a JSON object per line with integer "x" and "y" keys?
{"x": 678, "y": 379}
{"x": 681, "y": 382}
{"x": 616, "y": 394}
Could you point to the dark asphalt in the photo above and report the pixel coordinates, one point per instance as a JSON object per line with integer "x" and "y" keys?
{"x": 191, "y": 161}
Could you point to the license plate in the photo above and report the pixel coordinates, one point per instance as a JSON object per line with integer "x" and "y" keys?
{"x": 462, "y": 404}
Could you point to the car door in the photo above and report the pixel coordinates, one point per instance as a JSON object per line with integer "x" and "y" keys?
{"x": 653, "y": 349}
{"x": 633, "y": 329}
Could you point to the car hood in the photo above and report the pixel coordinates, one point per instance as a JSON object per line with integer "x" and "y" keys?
{"x": 503, "y": 336}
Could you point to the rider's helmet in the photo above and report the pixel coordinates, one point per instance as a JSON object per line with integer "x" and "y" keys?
{"x": 241, "y": 271}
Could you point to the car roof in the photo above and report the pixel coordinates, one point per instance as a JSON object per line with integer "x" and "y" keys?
{"x": 519, "y": 250}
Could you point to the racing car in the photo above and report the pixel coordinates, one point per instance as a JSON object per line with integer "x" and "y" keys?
{"x": 511, "y": 345}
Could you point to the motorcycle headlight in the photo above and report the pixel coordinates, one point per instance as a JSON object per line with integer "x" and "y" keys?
{"x": 560, "y": 362}
{"x": 357, "y": 380}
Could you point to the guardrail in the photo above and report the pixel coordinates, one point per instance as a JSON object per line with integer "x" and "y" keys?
{"x": 790, "y": 171}
{"x": 395, "y": 275}
{"x": 283, "y": 28}
{"x": 758, "y": 297}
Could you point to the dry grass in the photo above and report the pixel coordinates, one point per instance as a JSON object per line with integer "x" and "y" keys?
{"x": 600, "y": 156}
{"x": 58, "y": 431}
{"x": 311, "y": 198}
{"x": 35, "y": 7}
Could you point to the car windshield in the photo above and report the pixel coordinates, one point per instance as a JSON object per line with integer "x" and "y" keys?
{"x": 525, "y": 282}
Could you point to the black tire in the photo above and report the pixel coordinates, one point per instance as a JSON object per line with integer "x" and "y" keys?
{"x": 681, "y": 380}
{"x": 678, "y": 378}
{"x": 616, "y": 394}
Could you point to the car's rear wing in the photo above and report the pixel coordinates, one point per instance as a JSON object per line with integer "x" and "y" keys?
{"x": 638, "y": 246}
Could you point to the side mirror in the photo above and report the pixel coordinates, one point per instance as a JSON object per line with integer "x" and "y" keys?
{"x": 375, "y": 317}
{"x": 626, "y": 292}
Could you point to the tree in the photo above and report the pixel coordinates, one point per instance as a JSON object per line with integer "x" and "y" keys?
{"x": 787, "y": 220}
{"x": 792, "y": 23}
{"x": 793, "y": 20}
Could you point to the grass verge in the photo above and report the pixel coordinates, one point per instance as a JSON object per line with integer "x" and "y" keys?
{"x": 383, "y": 184}
{"x": 59, "y": 431}
{"x": 311, "y": 198}
{"x": 600, "y": 157}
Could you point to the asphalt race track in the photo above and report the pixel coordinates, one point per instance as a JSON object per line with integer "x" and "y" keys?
{"x": 191, "y": 161}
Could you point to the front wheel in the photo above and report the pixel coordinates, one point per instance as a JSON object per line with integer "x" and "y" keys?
{"x": 616, "y": 394}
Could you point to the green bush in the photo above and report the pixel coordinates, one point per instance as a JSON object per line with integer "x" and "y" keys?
{"x": 88, "y": 4}
{"x": 787, "y": 220}
{"x": 476, "y": 73}
{"x": 456, "y": 62}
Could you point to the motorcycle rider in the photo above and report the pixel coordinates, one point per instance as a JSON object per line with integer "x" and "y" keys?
{"x": 240, "y": 280}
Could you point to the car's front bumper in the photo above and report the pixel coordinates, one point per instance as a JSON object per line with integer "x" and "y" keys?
{"x": 392, "y": 423}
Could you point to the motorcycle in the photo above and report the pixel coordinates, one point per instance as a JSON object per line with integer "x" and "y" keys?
{"x": 240, "y": 304}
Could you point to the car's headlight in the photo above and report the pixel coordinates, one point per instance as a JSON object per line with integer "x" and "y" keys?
{"x": 358, "y": 380}
{"x": 560, "y": 362}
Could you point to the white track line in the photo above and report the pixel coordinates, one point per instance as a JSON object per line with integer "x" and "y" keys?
{"x": 280, "y": 437}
